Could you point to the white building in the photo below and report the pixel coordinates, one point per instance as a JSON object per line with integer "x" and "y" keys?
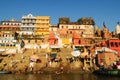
{"x": 117, "y": 28}
{"x": 28, "y": 25}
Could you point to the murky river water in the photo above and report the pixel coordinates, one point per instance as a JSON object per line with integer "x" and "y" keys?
{"x": 55, "y": 77}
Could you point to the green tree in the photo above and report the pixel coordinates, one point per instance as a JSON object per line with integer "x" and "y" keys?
{"x": 22, "y": 44}
{"x": 16, "y": 36}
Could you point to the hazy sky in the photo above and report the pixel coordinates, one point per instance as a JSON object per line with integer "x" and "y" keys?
{"x": 107, "y": 11}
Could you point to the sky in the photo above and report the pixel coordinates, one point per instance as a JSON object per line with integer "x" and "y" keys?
{"x": 107, "y": 11}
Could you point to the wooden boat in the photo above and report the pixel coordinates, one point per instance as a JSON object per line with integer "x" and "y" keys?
{"x": 107, "y": 72}
{"x": 5, "y": 72}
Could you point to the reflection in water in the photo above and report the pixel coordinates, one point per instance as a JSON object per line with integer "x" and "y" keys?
{"x": 55, "y": 77}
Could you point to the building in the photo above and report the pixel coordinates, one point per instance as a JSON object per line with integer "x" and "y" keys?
{"x": 28, "y": 25}
{"x": 97, "y": 31}
{"x": 87, "y": 27}
{"x": 42, "y": 25}
{"x": 77, "y": 41}
{"x": 52, "y": 39}
{"x": 11, "y": 22}
{"x": 118, "y": 28}
{"x": 114, "y": 44}
{"x": 9, "y": 32}
{"x": 84, "y": 27}
{"x": 105, "y": 32}
{"x": 54, "y": 27}
{"x": 106, "y": 58}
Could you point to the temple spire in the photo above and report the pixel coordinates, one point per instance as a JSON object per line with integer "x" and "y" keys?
{"x": 104, "y": 24}
{"x": 118, "y": 23}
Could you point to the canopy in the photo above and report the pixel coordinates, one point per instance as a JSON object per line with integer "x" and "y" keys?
{"x": 34, "y": 58}
{"x": 54, "y": 46}
{"x": 75, "y": 53}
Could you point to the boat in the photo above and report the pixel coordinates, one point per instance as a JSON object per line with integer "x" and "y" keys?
{"x": 5, "y": 72}
{"x": 114, "y": 72}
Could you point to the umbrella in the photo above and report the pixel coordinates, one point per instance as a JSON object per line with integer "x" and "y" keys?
{"x": 75, "y": 53}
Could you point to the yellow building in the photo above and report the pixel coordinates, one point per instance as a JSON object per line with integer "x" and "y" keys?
{"x": 42, "y": 25}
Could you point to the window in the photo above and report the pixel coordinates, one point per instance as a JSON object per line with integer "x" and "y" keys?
{"x": 52, "y": 29}
{"x": 116, "y": 44}
{"x": 66, "y": 26}
{"x": 12, "y": 35}
{"x": 112, "y": 44}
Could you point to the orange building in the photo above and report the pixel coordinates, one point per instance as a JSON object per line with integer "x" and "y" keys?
{"x": 84, "y": 27}
{"x": 78, "y": 40}
{"x": 52, "y": 39}
{"x": 114, "y": 44}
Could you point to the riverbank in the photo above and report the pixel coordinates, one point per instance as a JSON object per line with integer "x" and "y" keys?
{"x": 20, "y": 63}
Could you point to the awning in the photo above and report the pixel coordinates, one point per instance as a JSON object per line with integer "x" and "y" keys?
{"x": 34, "y": 58}
{"x": 65, "y": 41}
{"x": 54, "y": 46}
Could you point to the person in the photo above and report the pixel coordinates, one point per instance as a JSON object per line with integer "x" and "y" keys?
{"x": 46, "y": 56}
{"x": 67, "y": 58}
{"x": 31, "y": 66}
{"x": 114, "y": 65}
{"x": 50, "y": 63}
{"x": 60, "y": 59}
{"x": 101, "y": 66}
{"x": 61, "y": 69}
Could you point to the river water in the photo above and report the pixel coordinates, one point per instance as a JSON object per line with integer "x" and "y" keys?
{"x": 75, "y": 76}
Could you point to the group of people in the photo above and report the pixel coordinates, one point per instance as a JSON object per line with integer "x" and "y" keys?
{"x": 115, "y": 65}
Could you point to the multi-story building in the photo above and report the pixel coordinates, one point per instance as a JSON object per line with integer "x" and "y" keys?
{"x": 84, "y": 27}
{"x": 11, "y": 22}
{"x": 9, "y": 31}
{"x": 42, "y": 25}
{"x": 87, "y": 27}
{"x": 54, "y": 27}
{"x": 28, "y": 25}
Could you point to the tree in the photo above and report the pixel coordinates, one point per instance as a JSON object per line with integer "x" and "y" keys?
{"x": 16, "y": 36}
{"x": 22, "y": 44}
